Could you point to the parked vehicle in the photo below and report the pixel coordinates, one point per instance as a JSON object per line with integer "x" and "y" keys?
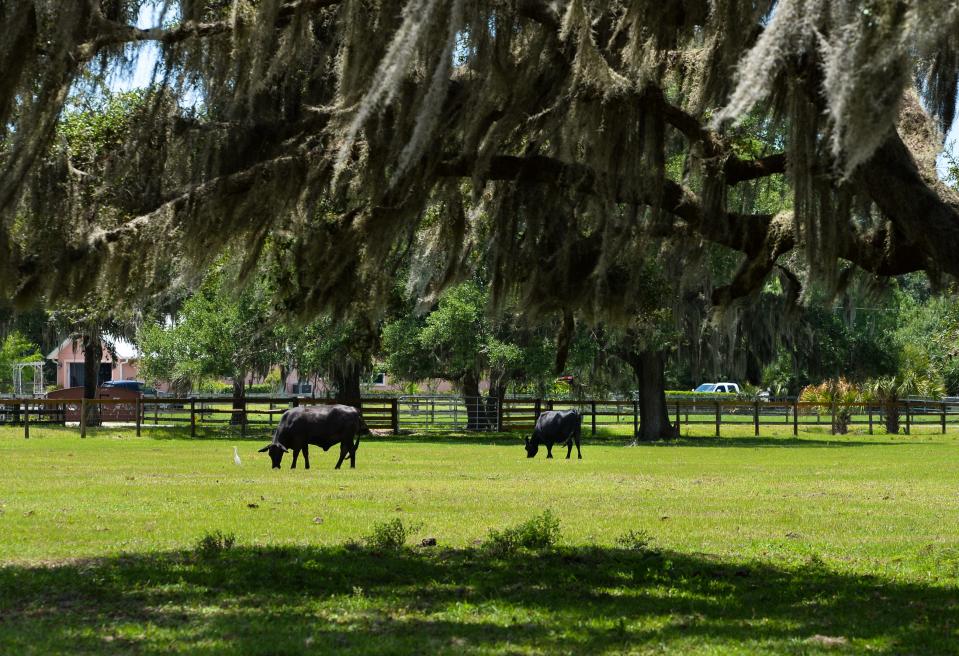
{"x": 718, "y": 388}
{"x": 135, "y": 385}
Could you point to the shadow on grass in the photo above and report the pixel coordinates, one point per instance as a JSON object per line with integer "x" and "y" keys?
{"x": 580, "y": 600}
{"x": 826, "y": 441}
{"x": 264, "y": 434}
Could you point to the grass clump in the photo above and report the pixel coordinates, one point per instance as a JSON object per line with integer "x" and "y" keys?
{"x": 634, "y": 540}
{"x": 213, "y": 544}
{"x": 540, "y": 532}
{"x": 388, "y": 536}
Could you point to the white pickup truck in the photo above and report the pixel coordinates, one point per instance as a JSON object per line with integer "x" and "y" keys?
{"x": 707, "y": 388}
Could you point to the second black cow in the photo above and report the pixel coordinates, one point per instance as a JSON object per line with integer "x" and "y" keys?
{"x": 556, "y": 427}
{"x": 323, "y": 426}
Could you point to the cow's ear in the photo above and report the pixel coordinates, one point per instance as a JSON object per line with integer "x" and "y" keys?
{"x": 266, "y": 448}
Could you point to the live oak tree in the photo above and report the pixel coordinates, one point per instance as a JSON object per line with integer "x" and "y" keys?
{"x": 460, "y": 342}
{"x": 338, "y": 351}
{"x": 557, "y": 119}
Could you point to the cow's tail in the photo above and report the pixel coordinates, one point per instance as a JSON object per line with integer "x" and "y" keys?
{"x": 364, "y": 429}
{"x": 356, "y": 445}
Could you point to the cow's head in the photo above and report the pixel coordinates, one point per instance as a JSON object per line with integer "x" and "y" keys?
{"x": 531, "y": 448}
{"x": 276, "y": 453}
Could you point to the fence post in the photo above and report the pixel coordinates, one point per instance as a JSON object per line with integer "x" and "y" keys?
{"x": 243, "y": 417}
{"x": 943, "y": 415}
{"x": 536, "y": 409}
{"x": 395, "y": 415}
{"x": 192, "y": 416}
{"x": 635, "y": 419}
{"x": 16, "y": 413}
{"x": 908, "y": 418}
{"x": 796, "y": 418}
{"x": 593, "y": 416}
{"x": 756, "y": 417}
{"x": 83, "y": 417}
{"x": 499, "y": 413}
{"x": 26, "y": 421}
{"x": 718, "y": 415}
{"x": 870, "y": 420}
{"x": 677, "y": 416}
{"x": 296, "y": 401}
{"x": 137, "y": 408}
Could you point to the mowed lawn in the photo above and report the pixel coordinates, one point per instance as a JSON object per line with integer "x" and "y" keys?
{"x": 771, "y": 545}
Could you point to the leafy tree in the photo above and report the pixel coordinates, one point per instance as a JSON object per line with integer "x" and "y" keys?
{"x": 340, "y": 352}
{"x": 15, "y": 348}
{"x": 931, "y": 327}
{"x": 459, "y": 342}
{"x": 218, "y": 332}
{"x": 32, "y": 323}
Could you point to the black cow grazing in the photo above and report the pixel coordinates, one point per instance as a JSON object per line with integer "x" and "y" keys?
{"x": 322, "y": 426}
{"x": 556, "y": 427}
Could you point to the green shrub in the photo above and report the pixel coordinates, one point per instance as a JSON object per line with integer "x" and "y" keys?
{"x": 260, "y": 388}
{"x": 215, "y": 387}
{"x": 540, "y": 532}
{"x": 215, "y": 543}
{"x": 634, "y": 540}
{"x": 388, "y": 536}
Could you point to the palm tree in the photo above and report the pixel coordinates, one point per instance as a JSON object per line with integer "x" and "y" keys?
{"x": 85, "y": 324}
{"x": 917, "y": 377}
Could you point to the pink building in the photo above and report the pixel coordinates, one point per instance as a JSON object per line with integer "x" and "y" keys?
{"x": 68, "y": 358}
{"x": 380, "y": 383}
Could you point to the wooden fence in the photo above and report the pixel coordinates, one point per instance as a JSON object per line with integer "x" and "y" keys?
{"x": 415, "y": 414}
{"x": 195, "y": 412}
{"x": 521, "y": 414}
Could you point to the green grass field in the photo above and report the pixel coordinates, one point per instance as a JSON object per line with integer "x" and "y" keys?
{"x": 771, "y": 546}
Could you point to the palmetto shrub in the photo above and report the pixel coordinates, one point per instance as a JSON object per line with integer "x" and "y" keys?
{"x": 837, "y": 395}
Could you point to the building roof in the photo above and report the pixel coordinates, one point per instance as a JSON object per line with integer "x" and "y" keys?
{"x": 124, "y": 349}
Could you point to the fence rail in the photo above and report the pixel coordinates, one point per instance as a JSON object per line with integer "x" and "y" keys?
{"x": 447, "y": 413}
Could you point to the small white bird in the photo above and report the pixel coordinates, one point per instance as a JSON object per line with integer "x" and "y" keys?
{"x": 236, "y": 457}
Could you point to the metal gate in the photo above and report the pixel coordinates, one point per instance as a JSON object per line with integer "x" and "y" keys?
{"x": 448, "y": 413}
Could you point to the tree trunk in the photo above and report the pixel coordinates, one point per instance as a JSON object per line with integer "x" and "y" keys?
{"x": 347, "y": 383}
{"x": 650, "y": 368}
{"x": 496, "y": 395}
{"x": 239, "y": 396}
{"x": 475, "y": 406}
{"x": 92, "y": 355}
{"x": 892, "y": 417}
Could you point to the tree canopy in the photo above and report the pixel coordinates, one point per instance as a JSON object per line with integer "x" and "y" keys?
{"x": 560, "y": 143}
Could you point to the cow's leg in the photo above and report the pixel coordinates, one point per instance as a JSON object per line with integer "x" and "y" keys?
{"x": 344, "y": 451}
{"x": 306, "y": 456}
{"x": 296, "y": 453}
{"x": 579, "y": 454}
{"x": 549, "y": 450}
{"x": 569, "y": 447}
{"x": 353, "y": 458}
